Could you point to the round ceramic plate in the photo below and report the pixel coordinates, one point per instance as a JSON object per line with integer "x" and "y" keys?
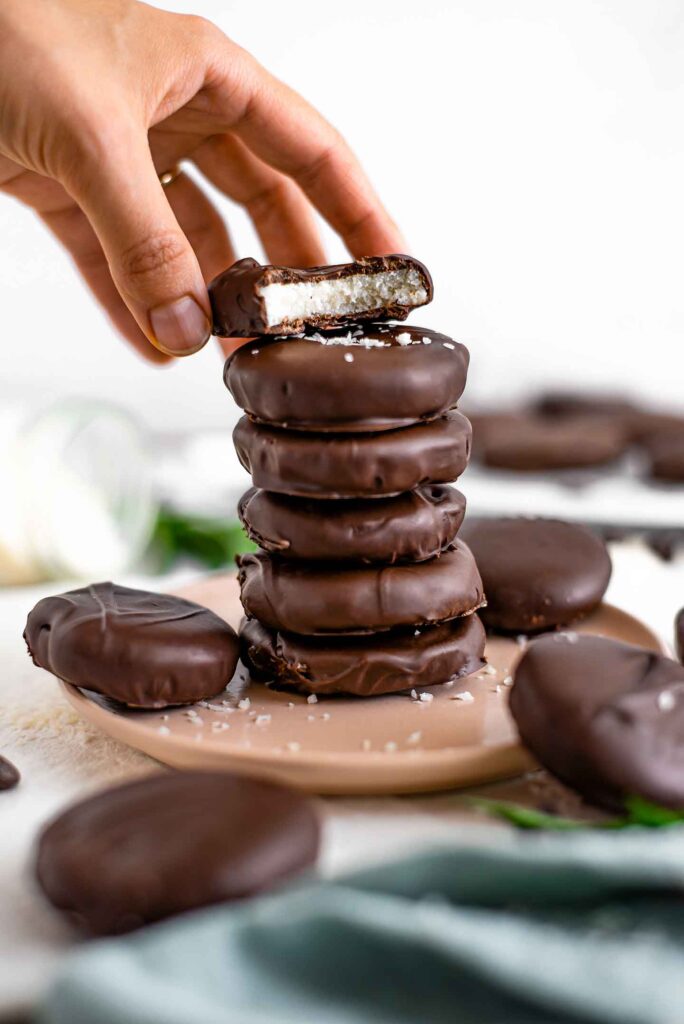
{"x": 400, "y": 743}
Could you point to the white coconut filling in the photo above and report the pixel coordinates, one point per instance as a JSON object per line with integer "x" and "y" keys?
{"x": 342, "y": 296}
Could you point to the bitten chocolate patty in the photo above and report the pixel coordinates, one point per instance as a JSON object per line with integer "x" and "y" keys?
{"x": 372, "y": 377}
{"x": 250, "y": 299}
{"x": 169, "y": 843}
{"x": 354, "y": 465}
{"x": 537, "y": 573}
{"x": 146, "y": 650}
{"x": 412, "y": 527}
{"x": 365, "y": 666}
{"x": 319, "y": 599}
{"x": 605, "y": 717}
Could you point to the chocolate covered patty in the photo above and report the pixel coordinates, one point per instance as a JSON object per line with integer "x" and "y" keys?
{"x": 320, "y": 599}
{"x": 529, "y": 444}
{"x": 605, "y": 717}
{"x": 354, "y": 465}
{"x": 9, "y": 774}
{"x": 365, "y": 666}
{"x": 412, "y": 527}
{"x": 372, "y": 377}
{"x": 170, "y": 843}
{"x": 665, "y": 455}
{"x": 249, "y": 299}
{"x": 537, "y": 573}
{"x": 143, "y": 649}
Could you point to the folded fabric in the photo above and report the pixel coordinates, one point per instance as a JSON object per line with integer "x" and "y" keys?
{"x": 564, "y": 928}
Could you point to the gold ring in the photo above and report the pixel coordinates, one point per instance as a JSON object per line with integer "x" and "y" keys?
{"x": 167, "y": 178}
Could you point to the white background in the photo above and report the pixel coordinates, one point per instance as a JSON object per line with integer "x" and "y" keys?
{"x": 532, "y": 151}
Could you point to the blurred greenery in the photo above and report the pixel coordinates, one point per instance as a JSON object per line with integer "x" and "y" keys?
{"x": 638, "y": 812}
{"x": 212, "y": 541}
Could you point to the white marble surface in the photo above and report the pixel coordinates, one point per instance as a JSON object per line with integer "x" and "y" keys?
{"x": 62, "y": 758}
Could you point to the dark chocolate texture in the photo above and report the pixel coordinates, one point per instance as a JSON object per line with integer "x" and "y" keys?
{"x": 605, "y": 717}
{"x": 561, "y": 404}
{"x": 9, "y": 774}
{"x": 354, "y": 465}
{"x": 679, "y": 635}
{"x": 239, "y": 309}
{"x": 143, "y": 649}
{"x": 170, "y": 843}
{"x": 665, "y": 455}
{"x": 365, "y": 666}
{"x": 412, "y": 527}
{"x": 529, "y": 444}
{"x": 373, "y": 377}
{"x": 537, "y": 573}
{"x": 326, "y": 598}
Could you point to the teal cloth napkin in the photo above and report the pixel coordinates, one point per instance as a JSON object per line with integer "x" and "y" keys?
{"x": 563, "y": 928}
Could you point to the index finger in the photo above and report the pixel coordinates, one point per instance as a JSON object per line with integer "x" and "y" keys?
{"x": 285, "y": 131}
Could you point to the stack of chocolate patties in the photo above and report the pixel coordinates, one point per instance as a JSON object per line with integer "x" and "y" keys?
{"x": 351, "y": 435}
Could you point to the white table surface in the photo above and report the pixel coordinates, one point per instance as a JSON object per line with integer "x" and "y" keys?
{"x": 62, "y": 758}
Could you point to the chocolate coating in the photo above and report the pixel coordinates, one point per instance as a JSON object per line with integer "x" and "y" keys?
{"x": 143, "y": 649}
{"x": 169, "y": 843}
{"x": 365, "y": 666}
{"x": 561, "y": 404}
{"x": 330, "y": 385}
{"x": 318, "y": 599}
{"x": 239, "y": 311}
{"x": 537, "y": 573}
{"x": 679, "y": 635}
{"x": 354, "y": 465}
{"x": 412, "y": 527}
{"x": 9, "y": 774}
{"x": 665, "y": 455}
{"x": 531, "y": 444}
{"x": 605, "y": 717}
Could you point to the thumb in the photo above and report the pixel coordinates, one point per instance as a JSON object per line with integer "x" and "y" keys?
{"x": 151, "y": 261}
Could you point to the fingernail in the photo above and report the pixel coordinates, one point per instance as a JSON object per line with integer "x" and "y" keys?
{"x": 180, "y": 328}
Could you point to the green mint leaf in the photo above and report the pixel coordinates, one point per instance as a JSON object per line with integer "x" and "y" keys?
{"x": 527, "y": 817}
{"x": 648, "y": 815}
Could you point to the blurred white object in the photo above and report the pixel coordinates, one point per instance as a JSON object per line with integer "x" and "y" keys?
{"x": 75, "y": 491}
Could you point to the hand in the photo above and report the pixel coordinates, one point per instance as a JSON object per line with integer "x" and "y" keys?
{"x": 97, "y": 97}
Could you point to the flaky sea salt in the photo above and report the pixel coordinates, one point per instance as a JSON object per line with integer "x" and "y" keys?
{"x": 404, "y": 338}
{"x": 244, "y": 704}
{"x": 312, "y": 699}
{"x": 347, "y": 339}
{"x": 348, "y": 357}
{"x": 447, "y": 344}
{"x": 262, "y": 719}
{"x": 426, "y": 698}
{"x": 465, "y": 696}
{"x": 666, "y": 700}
